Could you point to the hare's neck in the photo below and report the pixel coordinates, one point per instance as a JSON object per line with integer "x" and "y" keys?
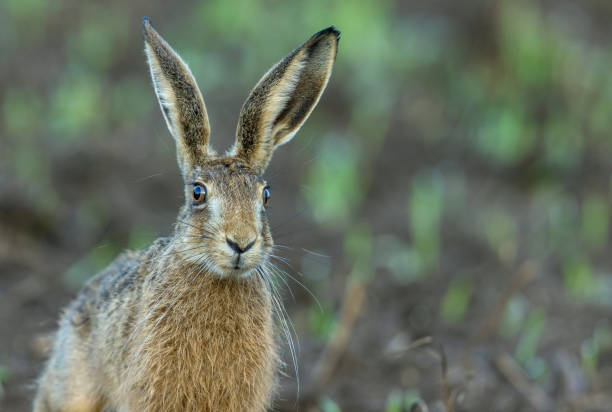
{"x": 192, "y": 302}
{"x": 212, "y": 339}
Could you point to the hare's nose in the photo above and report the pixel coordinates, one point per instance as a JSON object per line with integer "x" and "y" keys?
{"x": 238, "y": 248}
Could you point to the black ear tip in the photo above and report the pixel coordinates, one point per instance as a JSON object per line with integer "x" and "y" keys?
{"x": 330, "y": 30}
{"x": 146, "y": 25}
{"x": 334, "y": 30}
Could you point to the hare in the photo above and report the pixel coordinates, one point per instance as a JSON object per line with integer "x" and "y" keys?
{"x": 187, "y": 324}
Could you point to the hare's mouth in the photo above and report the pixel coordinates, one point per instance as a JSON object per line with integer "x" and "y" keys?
{"x": 236, "y": 270}
{"x": 241, "y": 264}
{"x": 238, "y": 264}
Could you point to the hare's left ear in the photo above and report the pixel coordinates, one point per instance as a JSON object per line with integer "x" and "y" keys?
{"x": 179, "y": 98}
{"x": 284, "y": 98}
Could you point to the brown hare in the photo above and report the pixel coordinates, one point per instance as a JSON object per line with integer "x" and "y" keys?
{"x": 187, "y": 324}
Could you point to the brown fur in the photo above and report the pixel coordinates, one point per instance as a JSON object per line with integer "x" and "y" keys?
{"x": 188, "y": 323}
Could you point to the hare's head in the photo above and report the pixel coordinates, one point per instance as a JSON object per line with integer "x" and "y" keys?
{"x": 223, "y": 224}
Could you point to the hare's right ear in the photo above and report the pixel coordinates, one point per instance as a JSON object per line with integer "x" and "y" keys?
{"x": 284, "y": 98}
{"x": 179, "y": 98}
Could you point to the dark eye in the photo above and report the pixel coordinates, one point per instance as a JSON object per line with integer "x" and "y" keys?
{"x": 199, "y": 193}
{"x": 266, "y": 195}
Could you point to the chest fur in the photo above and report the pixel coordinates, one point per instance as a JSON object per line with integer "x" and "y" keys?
{"x": 210, "y": 347}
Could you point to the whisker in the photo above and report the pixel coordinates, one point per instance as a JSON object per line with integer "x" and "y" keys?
{"x": 319, "y": 254}
{"x": 281, "y": 259}
{"x": 189, "y": 224}
{"x": 176, "y": 252}
{"x": 282, "y": 272}
{"x": 289, "y": 220}
{"x": 286, "y": 326}
{"x": 288, "y": 287}
{"x": 142, "y": 179}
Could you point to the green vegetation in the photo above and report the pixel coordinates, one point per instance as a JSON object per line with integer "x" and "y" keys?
{"x": 395, "y": 402}
{"x": 456, "y": 300}
{"x": 514, "y": 316}
{"x": 328, "y": 405}
{"x": 425, "y": 212}
{"x": 529, "y": 340}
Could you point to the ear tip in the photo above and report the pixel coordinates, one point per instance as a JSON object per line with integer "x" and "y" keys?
{"x": 147, "y": 26}
{"x": 331, "y": 30}
{"x": 335, "y": 31}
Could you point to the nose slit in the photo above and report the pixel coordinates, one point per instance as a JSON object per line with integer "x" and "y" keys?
{"x": 236, "y": 247}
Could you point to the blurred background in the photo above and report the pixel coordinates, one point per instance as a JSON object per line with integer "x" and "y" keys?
{"x": 446, "y": 207}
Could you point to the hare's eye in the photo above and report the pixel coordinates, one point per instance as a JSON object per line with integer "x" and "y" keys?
{"x": 266, "y": 195}
{"x": 199, "y": 193}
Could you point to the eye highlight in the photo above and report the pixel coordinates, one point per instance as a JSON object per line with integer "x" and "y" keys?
{"x": 199, "y": 193}
{"x": 266, "y": 195}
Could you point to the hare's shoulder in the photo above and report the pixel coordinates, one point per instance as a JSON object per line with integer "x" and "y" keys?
{"x": 127, "y": 271}
{"x": 119, "y": 281}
